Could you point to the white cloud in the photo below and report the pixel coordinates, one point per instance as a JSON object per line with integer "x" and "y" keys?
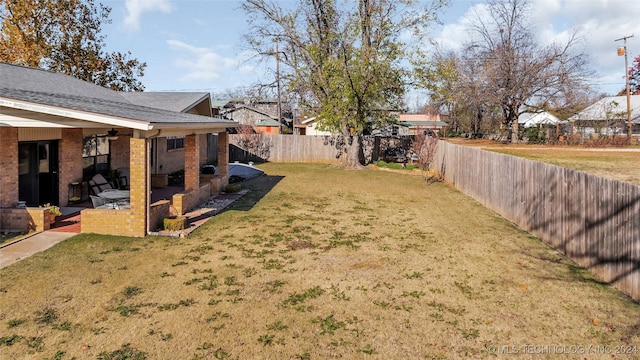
{"x": 202, "y": 64}
{"x": 455, "y": 35}
{"x": 135, "y": 9}
{"x": 598, "y": 22}
{"x": 601, "y": 22}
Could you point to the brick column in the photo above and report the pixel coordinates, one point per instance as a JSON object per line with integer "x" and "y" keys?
{"x": 138, "y": 186}
{"x": 223, "y": 154}
{"x": 9, "y": 166}
{"x": 70, "y": 162}
{"x": 191, "y": 162}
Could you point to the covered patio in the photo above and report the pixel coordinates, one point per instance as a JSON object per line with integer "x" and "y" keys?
{"x": 43, "y": 110}
{"x": 70, "y": 221}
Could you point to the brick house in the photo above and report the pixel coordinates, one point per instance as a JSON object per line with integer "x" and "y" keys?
{"x": 48, "y": 121}
{"x": 422, "y": 123}
{"x": 248, "y": 115}
{"x": 167, "y": 152}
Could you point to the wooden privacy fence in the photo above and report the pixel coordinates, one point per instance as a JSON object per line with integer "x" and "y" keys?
{"x": 283, "y": 148}
{"x": 306, "y": 148}
{"x": 592, "y": 220}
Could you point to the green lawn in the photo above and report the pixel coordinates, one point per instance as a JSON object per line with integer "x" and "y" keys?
{"x": 315, "y": 262}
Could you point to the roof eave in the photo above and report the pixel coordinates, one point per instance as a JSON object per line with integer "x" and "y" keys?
{"x": 61, "y": 114}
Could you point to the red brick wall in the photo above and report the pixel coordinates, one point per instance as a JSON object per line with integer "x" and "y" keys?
{"x": 168, "y": 161}
{"x": 173, "y": 160}
{"x": 23, "y": 220}
{"x": 70, "y": 168}
{"x": 191, "y": 162}
{"x": 9, "y": 166}
{"x": 158, "y": 211}
{"x": 119, "y": 152}
{"x": 216, "y": 183}
{"x": 203, "y": 149}
{"x": 188, "y": 200}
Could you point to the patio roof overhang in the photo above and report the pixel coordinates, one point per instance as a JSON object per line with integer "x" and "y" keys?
{"x": 17, "y": 113}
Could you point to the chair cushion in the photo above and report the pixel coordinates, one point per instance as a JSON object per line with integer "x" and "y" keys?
{"x": 97, "y": 201}
{"x": 100, "y": 182}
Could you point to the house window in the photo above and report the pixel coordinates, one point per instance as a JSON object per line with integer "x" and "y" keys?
{"x": 175, "y": 142}
{"x": 95, "y": 155}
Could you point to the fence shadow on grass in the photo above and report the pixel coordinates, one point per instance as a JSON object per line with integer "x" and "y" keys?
{"x": 592, "y": 220}
{"x": 258, "y": 188}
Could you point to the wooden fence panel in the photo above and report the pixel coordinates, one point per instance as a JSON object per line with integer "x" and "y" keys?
{"x": 290, "y": 148}
{"x": 592, "y": 220}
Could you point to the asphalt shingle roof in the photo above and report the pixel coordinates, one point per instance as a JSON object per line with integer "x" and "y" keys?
{"x": 172, "y": 101}
{"x": 52, "y": 89}
{"x": 615, "y": 106}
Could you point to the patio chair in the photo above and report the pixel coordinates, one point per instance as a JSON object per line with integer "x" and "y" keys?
{"x": 97, "y": 201}
{"x": 123, "y": 181}
{"x": 99, "y": 184}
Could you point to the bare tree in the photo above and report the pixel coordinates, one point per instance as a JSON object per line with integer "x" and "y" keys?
{"x": 424, "y": 147}
{"x": 457, "y": 86}
{"x": 523, "y": 75}
{"x": 253, "y": 143}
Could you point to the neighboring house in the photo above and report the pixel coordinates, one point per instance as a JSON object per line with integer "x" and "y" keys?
{"x": 309, "y": 126}
{"x": 267, "y": 126}
{"x": 422, "y": 123}
{"x": 265, "y": 106}
{"x": 608, "y": 116}
{"x": 543, "y": 125}
{"x": 391, "y": 130}
{"x": 247, "y": 115}
{"x": 218, "y": 107}
{"x": 529, "y": 120}
{"x": 254, "y": 113}
{"x": 48, "y": 121}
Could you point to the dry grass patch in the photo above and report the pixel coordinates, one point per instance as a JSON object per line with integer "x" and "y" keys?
{"x": 326, "y": 263}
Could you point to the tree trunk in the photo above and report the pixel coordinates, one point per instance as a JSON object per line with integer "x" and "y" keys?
{"x": 514, "y": 131}
{"x": 351, "y": 151}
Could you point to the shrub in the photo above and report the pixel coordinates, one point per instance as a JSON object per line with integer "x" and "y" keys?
{"x": 174, "y": 223}
{"x": 232, "y": 188}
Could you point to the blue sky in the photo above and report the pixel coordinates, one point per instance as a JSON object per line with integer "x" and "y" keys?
{"x": 196, "y": 45}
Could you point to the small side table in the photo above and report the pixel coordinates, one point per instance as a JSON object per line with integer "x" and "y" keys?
{"x": 75, "y": 192}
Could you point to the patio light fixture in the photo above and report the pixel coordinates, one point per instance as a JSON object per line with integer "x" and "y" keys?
{"x": 112, "y": 134}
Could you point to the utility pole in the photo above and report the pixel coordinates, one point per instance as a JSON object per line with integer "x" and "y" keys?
{"x": 278, "y": 85}
{"x": 623, "y": 51}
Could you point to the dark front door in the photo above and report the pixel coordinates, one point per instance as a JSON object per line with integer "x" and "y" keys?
{"x": 38, "y": 172}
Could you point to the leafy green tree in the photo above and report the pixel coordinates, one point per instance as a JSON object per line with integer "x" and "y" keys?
{"x": 64, "y": 36}
{"x": 344, "y": 60}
